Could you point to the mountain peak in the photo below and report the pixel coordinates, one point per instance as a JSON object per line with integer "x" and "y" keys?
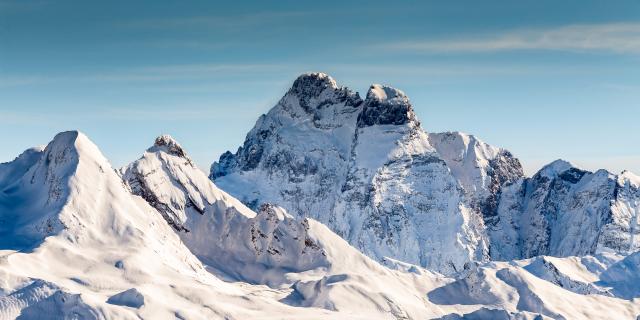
{"x": 168, "y": 144}
{"x": 65, "y": 139}
{"x": 317, "y": 96}
{"x": 313, "y": 83}
{"x": 386, "y": 105}
{"x": 556, "y": 167}
{"x": 67, "y": 148}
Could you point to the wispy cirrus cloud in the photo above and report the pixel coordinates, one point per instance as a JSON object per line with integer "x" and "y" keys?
{"x": 144, "y": 74}
{"x": 215, "y": 21}
{"x": 623, "y": 38}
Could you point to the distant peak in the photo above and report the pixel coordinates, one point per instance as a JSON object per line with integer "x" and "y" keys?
{"x": 168, "y": 144}
{"x": 386, "y": 105}
{"x": 559, "y": 165}
{"x": 556, "y": 168}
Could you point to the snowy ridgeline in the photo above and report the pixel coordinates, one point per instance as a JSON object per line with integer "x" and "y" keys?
{"x": 158, "y": 240}
{"x": 367, "y": 170}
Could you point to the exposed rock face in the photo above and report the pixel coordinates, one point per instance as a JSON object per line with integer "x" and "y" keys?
{"x": 385, "y": 105}
{"x": 370, "y": 172}
{"x": 565, "y": 211}
{"x": 216, "y": 227}
{"x": 364, "y": 168}
{"x": 480, "y": 169}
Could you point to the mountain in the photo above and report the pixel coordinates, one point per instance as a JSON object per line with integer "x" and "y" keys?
{"x": 319, "y": 269}
{"x": 314, "y": 265}
{"x": 219, "y": 229}
{"x": 76, "y": 244}
{"x": 566, "y": 211}
{"x": 317, "y": 153}
{"x": 368, "y": 170}
{"x": 157, "y": 239}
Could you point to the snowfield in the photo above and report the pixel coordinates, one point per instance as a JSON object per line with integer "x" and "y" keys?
{"x": 346, "y": 209}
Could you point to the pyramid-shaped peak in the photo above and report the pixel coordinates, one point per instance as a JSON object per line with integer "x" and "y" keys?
{"x": 66, "y": 139}
{"x": 557, "y": 166}
{"x": 169, "y": 145}
{"x": 69, "y": 146}
{"x": 565, "y": 170}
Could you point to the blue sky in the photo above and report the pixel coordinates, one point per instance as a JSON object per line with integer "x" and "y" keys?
{"x": 543, "y": 79}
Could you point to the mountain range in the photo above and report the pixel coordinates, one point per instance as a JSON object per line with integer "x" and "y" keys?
{"x": 371, "y": 173}
{"x": 335, "y": 207}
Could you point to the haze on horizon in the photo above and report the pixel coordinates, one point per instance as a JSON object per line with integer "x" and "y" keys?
{"x": 544, "y": 85}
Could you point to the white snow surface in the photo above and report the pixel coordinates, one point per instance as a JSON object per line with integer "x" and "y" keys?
{"x": 73, "y": 236}
{"x": 76, "y": 243}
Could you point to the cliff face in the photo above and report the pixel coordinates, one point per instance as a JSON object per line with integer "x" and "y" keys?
{"x": 369, "y": 171}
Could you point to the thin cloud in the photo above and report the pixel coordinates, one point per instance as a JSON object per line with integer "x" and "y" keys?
{"x": 130, "y": 113}
{"x": 146, "y": 74}
{"x": 614, "y": 37}
{"x": 227, "y": 21}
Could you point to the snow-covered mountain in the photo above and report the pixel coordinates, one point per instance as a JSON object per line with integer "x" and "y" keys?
{"x": 566, "y": 211}
{"x": 367, "y": 170}
{"x": 321, "y": 269}
{"x": 216, "y": 227}
{"x": 77, "y": 242}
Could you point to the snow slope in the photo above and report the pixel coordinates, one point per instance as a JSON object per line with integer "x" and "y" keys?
{"x": 77, "y": 244}
{"x": 218, "y": 228}
{"x": 343, "y": 279}
{"x": 311, "y": 263}
{"x": 73, "y": 237}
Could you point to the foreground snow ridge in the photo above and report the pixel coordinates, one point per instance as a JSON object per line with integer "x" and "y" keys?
{"x": 344, "y": 203}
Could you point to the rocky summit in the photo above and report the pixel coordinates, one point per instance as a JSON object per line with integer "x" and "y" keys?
{"x": 369, "y": 171}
